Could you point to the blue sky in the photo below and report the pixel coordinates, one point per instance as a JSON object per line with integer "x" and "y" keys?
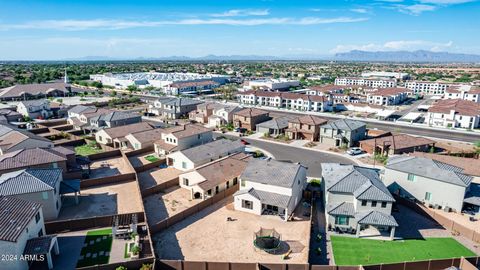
{"x": 47, "y": 29}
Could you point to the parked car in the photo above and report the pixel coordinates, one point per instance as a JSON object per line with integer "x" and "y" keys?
{"x": 354, "y": 151}
{"x": 244, "y": 142}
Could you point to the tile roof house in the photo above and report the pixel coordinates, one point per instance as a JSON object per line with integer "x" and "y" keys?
{"x": 107, "y": 136}
{"x": 397, "y": 144}
{"x": 454, "y": 113}
{"x": 248, "y": 118}
{"x": 20, "y": 221}
{"x": 356, "y": 199}
{"x": 223, "y": 115}
{"x": 79, "y": 116}
{"x": 12, "y": 139}
{"x": 343, "y": 132}
{"x": 29, "y": 91}
{"x": 388, "y": 96}
{"x": 213, "y": 177}
{"x": 193, "y": 157}
{"x": 270, "y": 186}
{"x": 33, "y": 158}
{"x": 37, "y": 185}
{"x": 182, "y": 137}
{"x": 305, "y": 128}
{"x": 142, "y": 139}
{"x": 172, "y": 107}
{"x": 274, "y": 127}
{"x": 114, "y": 119}
{"x": 8, "y": 115}
{"x": 35, "y": 109}
{"x": 426, "y": 180}
{"x": 203, "y": 111}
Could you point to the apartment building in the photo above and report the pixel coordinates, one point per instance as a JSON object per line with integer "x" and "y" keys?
{"x": 272, "y": 84}
{"x": 367, "y": 82}
{"x": 454, "y": 113}
{"x": 291, "y": 101}
{"x": 388, "y": 96}
{"x": 426, "y": 88}
{"x": 464, "y": 92}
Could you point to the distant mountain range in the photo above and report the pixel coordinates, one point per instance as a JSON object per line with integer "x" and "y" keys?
{"x": 355, "y": 55}
{"x": 406, "y": 56}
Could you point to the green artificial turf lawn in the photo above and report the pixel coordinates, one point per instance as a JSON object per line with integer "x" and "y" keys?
{"x": 85, "y": 150}
{"x": 104, "y": 245}
{"x": 354, "y": 251}
{"x": 152, "y": 158}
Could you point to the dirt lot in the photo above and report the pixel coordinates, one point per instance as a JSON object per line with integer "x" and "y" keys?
{"x": 208, "y": 236}
{"x": 462, "y": 219}
{"x": 157, "y": 176}
{"x": 163, "y": 205}
{"x": 103, "y": 200}
{"x": 108, "y": 167}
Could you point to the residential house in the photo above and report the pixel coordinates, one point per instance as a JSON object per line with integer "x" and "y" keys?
{"x": 37, "y": 185}
{"x": 270, "y": 186}
{"x": 249, "y": 118}
{"x": 182, "y": 137}
{"x": 13, "y": 139}
{"x": 396, "y": 144}
{"x": 173, "y": 108}
{"x": 305, "y": 128}
{"x": 114, "y": 119}
{"x": 108, "y": 135}
{"x": 274, "y": 127}
{"x": 35, "y": 109}
{"x": 34, "y": 158}
{"x": 454, "y": 113}
{"x": 7, "y": 116}
{"x": 356, "y": 200}
{"x": 426, "y": 180}
{"x": 465, "y": 92}
{"x": 190, "y": 158}
{"x": 213, "y": 177}
{"x": 470, "y": 166}
{"x": 203, "y": 112}
{"x": 33, "y": 91}
{"x": 388, "y": 96}
{"x": 20, "y": 220}
{"x": 79, "y": 116}
{"x": 223, "y": 115}
{"x": 343, "y": 132}
{"x": 139, "y": 140}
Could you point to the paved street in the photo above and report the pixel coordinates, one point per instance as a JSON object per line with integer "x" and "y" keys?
{"x": 310, "y": 158}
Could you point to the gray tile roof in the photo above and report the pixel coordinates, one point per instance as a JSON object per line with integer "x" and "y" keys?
{"x": 115, "y": 116}
{"x": 276, "y": 123}
{"x": 341, "y": 209}
{"x": 15, "y": 214}
{"x": 81, "y": 108}
{"x": 363, "y": 183}
{"x": 265, "y": 197}
{"x": 29, "y": 157}
{"x": 345, "y": 124}
{"x": 271, "y": 172}
{"x": 34, "y": 102}
{"x": 32, "y": 89}
{"x": 375, "y": 218}
{"x": 429, "y": 168}
{"x": 212, "y": 150}
{"x": 473, "y": 195}
{"x": 38, "y": 245}
{"x": 29, "y": 181}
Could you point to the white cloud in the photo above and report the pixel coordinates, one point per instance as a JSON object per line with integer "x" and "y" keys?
{"x": 446, "y": 2}
{"x": 242, "y": 12}
{"x": 416, "y": 9}
{"x": 359, "y": 10}
{"x": 397, "y": 45}
{"x": 103, "y": 24}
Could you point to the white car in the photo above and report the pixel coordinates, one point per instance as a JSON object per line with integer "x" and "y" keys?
{"x": 354, "y": 151}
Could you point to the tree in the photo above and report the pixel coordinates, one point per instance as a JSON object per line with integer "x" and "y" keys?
{"x": 226, "y": 91}
{"x": 477, "y": 148}
{"x": 132, "y": 88}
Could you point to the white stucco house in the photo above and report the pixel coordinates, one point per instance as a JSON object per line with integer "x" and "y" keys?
{"x": 270, "y": 187}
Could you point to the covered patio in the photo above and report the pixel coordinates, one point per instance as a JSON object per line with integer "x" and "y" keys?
{"x": 375, "y": 224}
{"x": 42, "y": 246}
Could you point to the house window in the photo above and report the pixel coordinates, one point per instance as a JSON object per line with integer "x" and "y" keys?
{"x": 341, "y": 220}
{"x": 247, "y": 204}
{"x": 184, "y": 165}
{"x": 56, "y": 204}
{"x": 209, "y": 192}
{"x": 217, "y": 190}
{"x": 45, "y": 195}
{"x": 37, "y": 217}
{"x": 374, "y": 203}
{"x": 384, "y": 204}
{"x": 235, "y": 181}
{"x": 428, "y": 196}
{"x": 185, "y": 181}
{"x": 364, "y": 203}
{"x": 411, "y": 177}
{"x": 243, "y": 183}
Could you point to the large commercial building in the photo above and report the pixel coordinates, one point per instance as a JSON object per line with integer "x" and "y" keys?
{"x": 272, "y": 84}
{"x": 173, "y": 83}
{"x": 386, "y": 74}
